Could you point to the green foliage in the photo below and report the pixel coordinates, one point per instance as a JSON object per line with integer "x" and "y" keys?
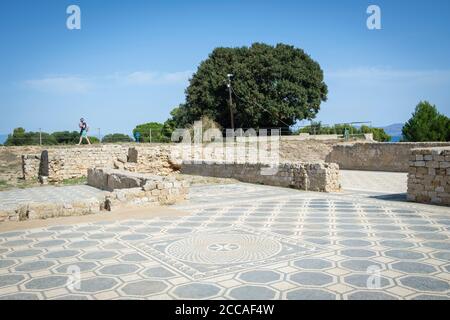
{"x": 66, "y": 137}
{"x": 116, "y": 137}
{"x": 20, "y": 137}
{"x": 94, "y": 140}
{"x": 378, "y": 133}
{"x": 274, "y": 86}
{"x": 153, "y": 128}
{"x": 427, "y": 124}
{"x": 178, "y": 120}
{"x": 317, "y": 128}
{"x": 207, "y": 123}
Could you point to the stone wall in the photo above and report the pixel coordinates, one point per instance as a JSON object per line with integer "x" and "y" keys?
{"x": 163, "y": 159}
{"x": 376, "y": 156}
{"x": 154, "y": 160}
{"x": 304, "y": 176}
{"x": 33, "y": 211}
{"x": 73, "y": 162}
{"x": 30, "y": 166}
{"x": 429, "y": 175}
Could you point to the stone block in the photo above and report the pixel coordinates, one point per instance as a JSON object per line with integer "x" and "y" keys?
{"x": 444, "y": 164}
{"x": 419, "y": 163}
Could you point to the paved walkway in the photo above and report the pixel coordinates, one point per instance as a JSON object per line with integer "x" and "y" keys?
{"x": 11, "y": 199}
{"x": 240, "y": 241}
{"x": 374, "y": 181}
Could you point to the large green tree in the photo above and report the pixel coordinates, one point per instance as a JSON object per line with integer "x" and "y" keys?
{"x": 427, "y": 124}
{"x": 150, "y": 132}
{"x": 273, "y": 86}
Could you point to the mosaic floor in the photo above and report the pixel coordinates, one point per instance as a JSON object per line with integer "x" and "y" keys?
{"x": 240, "y": 241}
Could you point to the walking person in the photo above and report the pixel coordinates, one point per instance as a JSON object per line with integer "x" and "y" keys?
{"x": 84, "y": 128}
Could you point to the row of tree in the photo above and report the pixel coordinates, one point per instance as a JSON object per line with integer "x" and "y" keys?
{"x": 341, "y": 129}
{"x": 426, "y": 124}
{"x": 20, "y": 137}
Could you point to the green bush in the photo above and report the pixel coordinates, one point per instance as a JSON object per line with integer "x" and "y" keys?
{"x": 94, "y": 140}
{"x": 20, "y": 137}
{"x": 66, "y": 137}
{"x": 316, "y": 128}
{"x": 116, "y": 137}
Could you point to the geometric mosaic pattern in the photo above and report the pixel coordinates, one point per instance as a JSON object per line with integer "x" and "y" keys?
{"x": 217, "y": 252}
{"x": 314, "y": 246}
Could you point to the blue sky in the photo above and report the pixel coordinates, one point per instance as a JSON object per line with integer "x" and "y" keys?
{"x": 131, "y": 61}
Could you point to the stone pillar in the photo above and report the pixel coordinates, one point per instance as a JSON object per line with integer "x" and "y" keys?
{"x": 43, "y": 168}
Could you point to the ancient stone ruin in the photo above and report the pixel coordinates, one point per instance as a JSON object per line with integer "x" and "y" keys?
{"x": 429, "y": 176}
{"x": 322, "y": 177}
{"x": 137, "y": 188}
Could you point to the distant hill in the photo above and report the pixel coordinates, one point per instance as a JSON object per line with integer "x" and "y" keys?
{"x": 3, "y": 138}
{"x": 394, "y": 129}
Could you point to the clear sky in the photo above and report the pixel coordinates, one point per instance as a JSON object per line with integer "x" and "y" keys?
{"x": 131, "y": 60}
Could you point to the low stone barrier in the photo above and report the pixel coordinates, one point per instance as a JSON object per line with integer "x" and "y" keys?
{"x": 136, "y": 188}
{"x": 322, "y": 177}
{"x": 377, "y": 156}
{"x": 45, "y": 210}
{"x": 429, "y": 176}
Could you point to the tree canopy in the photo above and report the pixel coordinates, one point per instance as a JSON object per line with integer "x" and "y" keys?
{"x": 151, "y": 132}
{"x": 20, "y": 137}
{"x": 273, "y": 86}
{"x": 427, "y": 124}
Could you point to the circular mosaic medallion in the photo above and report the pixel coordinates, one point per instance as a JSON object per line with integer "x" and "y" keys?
{"x": 224, "y": 248}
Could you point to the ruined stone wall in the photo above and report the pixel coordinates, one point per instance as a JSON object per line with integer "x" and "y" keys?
{"x": 306, "y": 151}
{"x": 45, "y": 210}
{"x": 30, "y": 166}
{"x": 151, "y": 159}
{"x": 429, "y": 175}
{"x": 376, "y": 156}
{"x": 163, "y": 159}
{"x": 304, "y": 176}
{"x": 73, "y": 162}
{"x": 137, "y": 188}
